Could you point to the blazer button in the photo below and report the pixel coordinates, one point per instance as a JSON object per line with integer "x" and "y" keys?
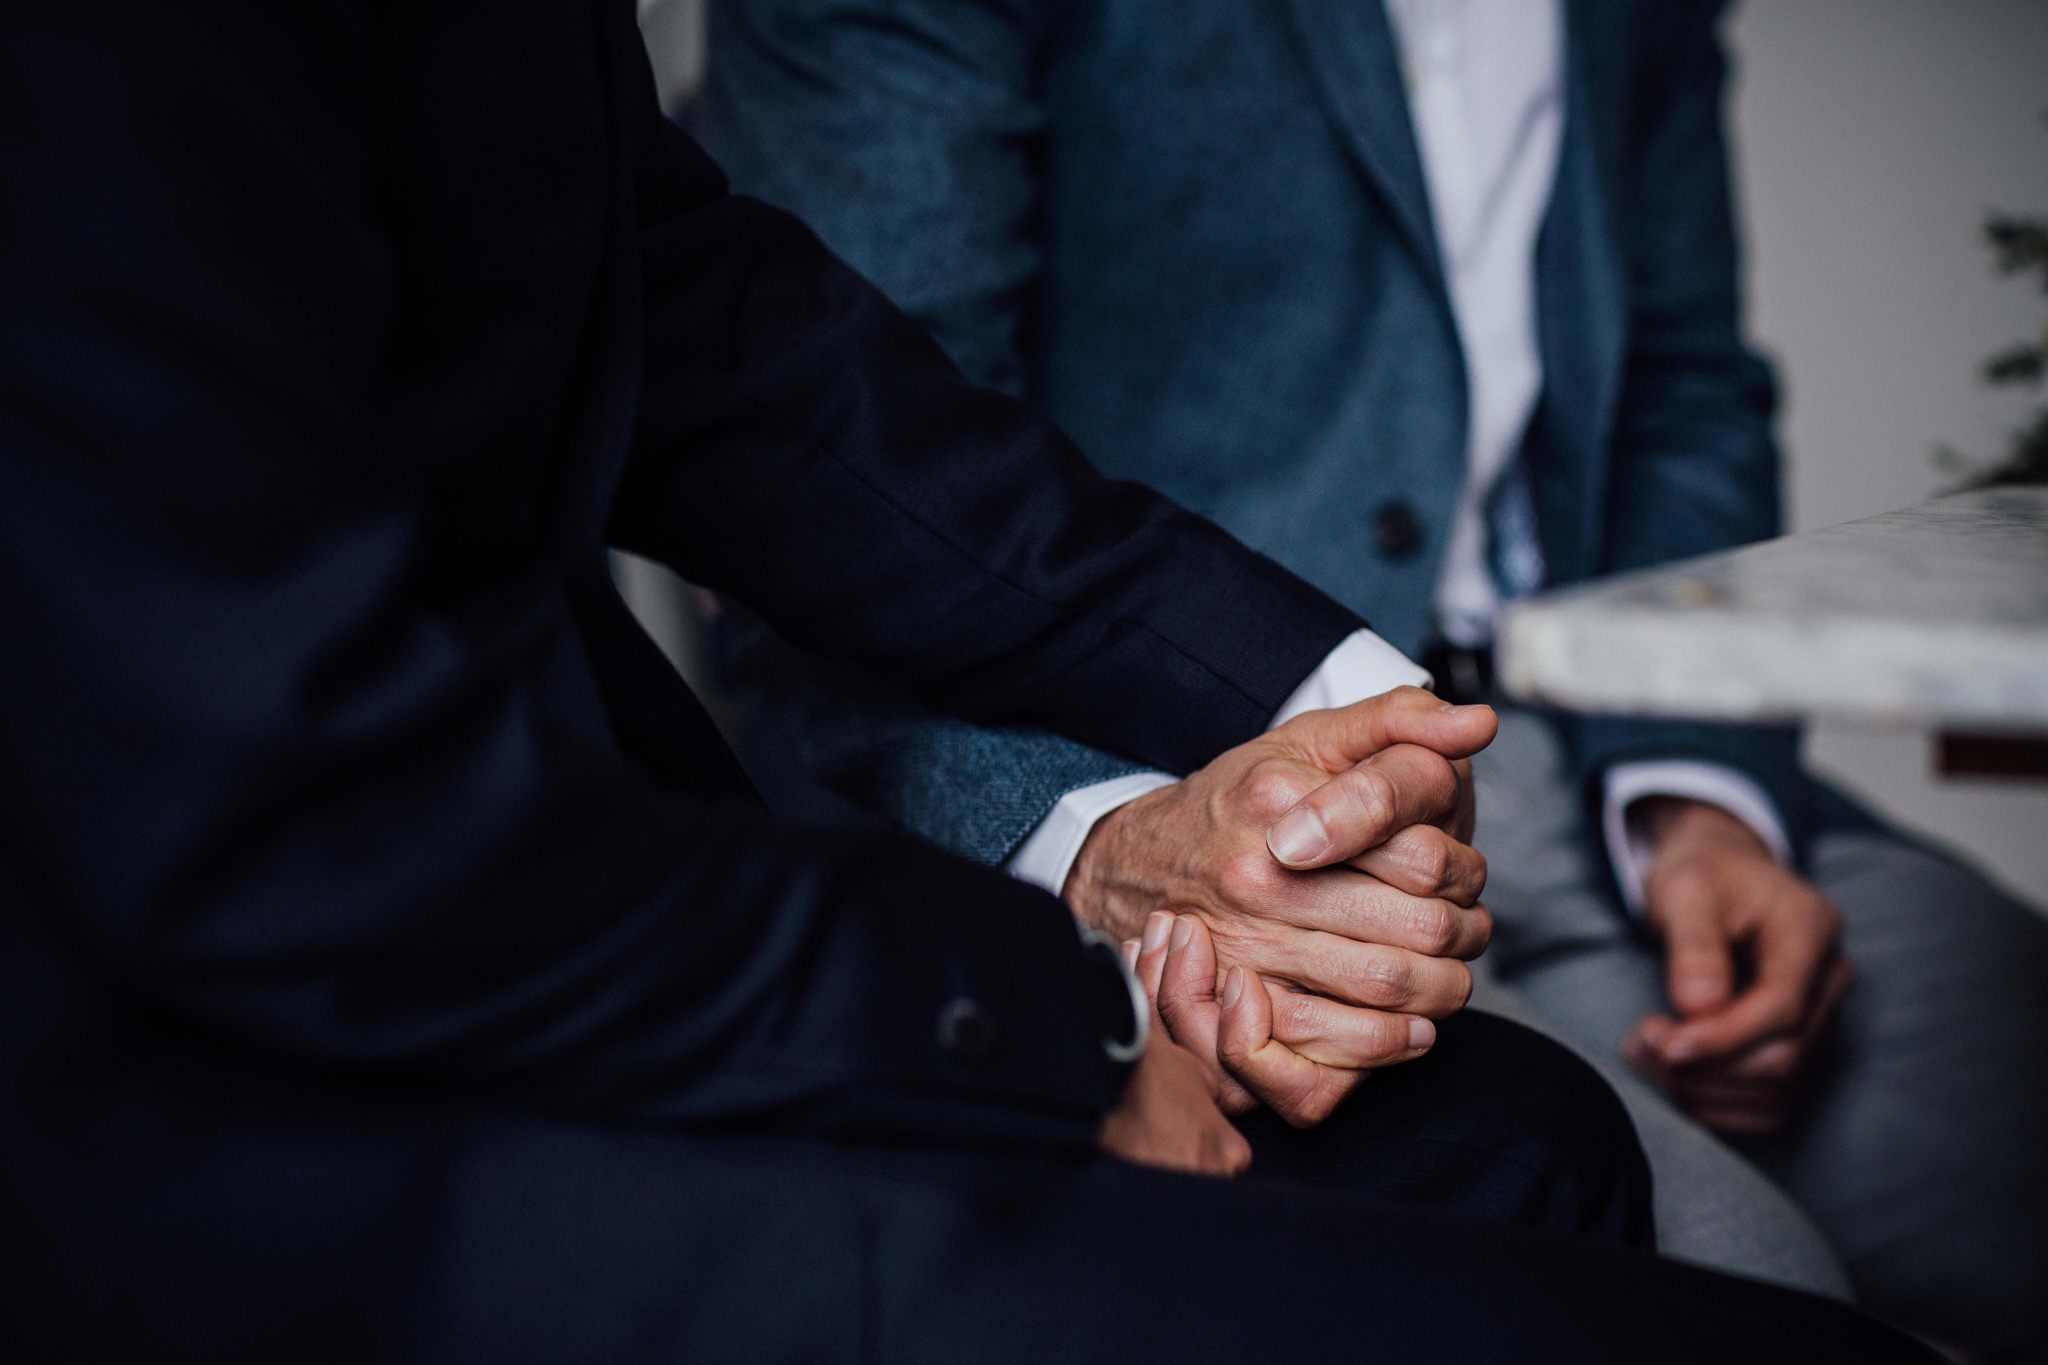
{"x": 1396, "y": 531}
{"x": 966, "y": 1033}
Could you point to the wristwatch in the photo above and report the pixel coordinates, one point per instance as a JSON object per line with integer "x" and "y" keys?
{"x": 1122, "y": 1014}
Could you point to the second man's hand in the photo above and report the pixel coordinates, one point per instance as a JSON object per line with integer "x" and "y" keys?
{"x": 1329, "y": 858}
{"x": 1754, "y": 966}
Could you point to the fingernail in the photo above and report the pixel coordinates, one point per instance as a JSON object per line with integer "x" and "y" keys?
{"x": 1233, "y": 987}
{"x": 1156, "y": 926}
{"x": 1421, "y": 1033}
{"x": 1681, "y": 1049}
{"x": 1298, "y": 837}
{"x": 1183, "y": 930}
{"x": 1130, "y": 947}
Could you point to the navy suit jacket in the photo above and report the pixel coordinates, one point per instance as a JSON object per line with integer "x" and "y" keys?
{"x": 1198, "y": 236}
{"x": 376, "y": 906}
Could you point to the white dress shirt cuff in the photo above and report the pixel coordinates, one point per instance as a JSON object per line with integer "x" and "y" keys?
{"x": 1628, "y": 844}
{"x": 1362, "y": 665}
{"x": 1045, "y": 857}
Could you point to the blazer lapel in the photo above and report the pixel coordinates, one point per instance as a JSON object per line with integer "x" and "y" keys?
{"x": 1581, "y": 282}
{"x": 1351, "y": 50}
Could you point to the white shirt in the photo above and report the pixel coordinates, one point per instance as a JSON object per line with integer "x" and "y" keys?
{"x": 1485, "y": 100}
{"x": 1485, "y": 96}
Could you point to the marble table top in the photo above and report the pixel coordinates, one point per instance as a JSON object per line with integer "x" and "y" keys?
{"x": 1935, "y": 616}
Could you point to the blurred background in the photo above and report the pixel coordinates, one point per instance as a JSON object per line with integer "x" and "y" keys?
{"x": 1874, "y": 138}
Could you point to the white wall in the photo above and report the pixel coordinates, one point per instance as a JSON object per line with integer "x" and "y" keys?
{"x": 1873, "y": 136}
{"x": 674, "y": 30}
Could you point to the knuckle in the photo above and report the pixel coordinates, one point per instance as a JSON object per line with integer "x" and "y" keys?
{"x": 1272, "y": 787}
{"x": 1369, "y": 795}
{"x": 1247, "y": 877}
{"x": 1433, "y": 925}
{"x": 1384, "y": 978}
{"x": 1430, "y": 859}
{"x": 1296, "y": 1017}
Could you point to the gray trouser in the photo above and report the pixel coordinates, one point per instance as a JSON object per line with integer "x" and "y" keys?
{"x": 1917, "y": 1158}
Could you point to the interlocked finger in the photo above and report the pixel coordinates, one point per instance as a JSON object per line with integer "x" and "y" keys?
{"x": 1345, "y": 1036}
{"x": 1182, "y": 989}
{"x": 1364, "y": 805}
{"x": 1372, "y": 975}
{"x": 1350, "y": 904}
{"x": 1423, "y": 860}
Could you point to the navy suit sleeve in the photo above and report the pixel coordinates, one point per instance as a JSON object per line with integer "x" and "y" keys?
{"x": 1695, "y": 468}
{"x": 904, "y": 133}
{"x": 293, "y": 762}
{"x": 816, "y": 457}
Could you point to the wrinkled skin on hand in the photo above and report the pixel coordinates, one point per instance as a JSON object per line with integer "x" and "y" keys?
{"x": 1331, "y": 858}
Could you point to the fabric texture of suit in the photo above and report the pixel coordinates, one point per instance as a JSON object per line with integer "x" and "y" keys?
{"x": 394, "y": 963}
{"x": 1240, "y": 359}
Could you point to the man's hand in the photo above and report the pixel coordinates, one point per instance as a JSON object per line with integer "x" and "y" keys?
{"x": 1230, "y": 1029}
{"x": 1363, "y": 932}
{"x": 1168, "y": 1115}
{"x": 1753, "y": 966}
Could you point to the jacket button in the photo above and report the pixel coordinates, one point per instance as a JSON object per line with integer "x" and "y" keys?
{"x": 1396, "y": 531}
{"x": 966, "y": 1033}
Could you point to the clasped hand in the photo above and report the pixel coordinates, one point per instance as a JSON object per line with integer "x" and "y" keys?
{"x": 1328, "y": 865}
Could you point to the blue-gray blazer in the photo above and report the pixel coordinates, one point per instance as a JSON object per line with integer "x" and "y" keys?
{"x": 1198, "y": 235}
